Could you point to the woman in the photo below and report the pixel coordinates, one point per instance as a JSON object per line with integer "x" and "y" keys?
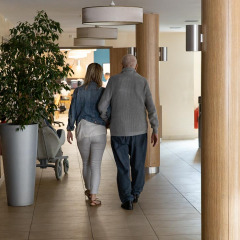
{"x": 90, "y": 129}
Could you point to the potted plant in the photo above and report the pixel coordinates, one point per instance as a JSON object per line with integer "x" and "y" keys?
{"x": 30, "y": 64}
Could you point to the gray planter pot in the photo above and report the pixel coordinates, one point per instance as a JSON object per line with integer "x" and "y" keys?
{"x": 19, "y": 161}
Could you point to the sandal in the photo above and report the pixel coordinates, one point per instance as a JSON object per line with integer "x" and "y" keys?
{"x": 87, "y": 193}
{"x": 95, "y": 202}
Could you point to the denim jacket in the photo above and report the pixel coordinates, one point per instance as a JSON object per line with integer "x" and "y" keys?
{"x": 84, "y": 105}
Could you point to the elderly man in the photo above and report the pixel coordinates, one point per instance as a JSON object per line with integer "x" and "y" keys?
{"x": 129, "y": 95}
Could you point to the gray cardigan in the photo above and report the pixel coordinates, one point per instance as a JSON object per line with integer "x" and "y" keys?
{"x": 129, "y": 95}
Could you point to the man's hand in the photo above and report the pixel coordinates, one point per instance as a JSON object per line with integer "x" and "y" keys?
{"x": 154, "y": 139}
{"x": 69, "y": 137}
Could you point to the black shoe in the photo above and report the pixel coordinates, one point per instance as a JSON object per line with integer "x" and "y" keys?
{"x": 135, "y": 200}
{"x": 127, "y": 205}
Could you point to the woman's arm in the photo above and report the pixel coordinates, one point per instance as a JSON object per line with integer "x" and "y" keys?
{"x": 72, "y": 112}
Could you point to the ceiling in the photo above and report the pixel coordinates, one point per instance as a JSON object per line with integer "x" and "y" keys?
{"x": 172, "y": 13}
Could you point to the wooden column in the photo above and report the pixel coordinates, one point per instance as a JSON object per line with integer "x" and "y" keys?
{"x": 220, "y": 119}
{"x": 116, "y": 55}
{"x": 147, "y": 43}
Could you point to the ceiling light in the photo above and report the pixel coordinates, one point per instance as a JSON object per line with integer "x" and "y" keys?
{"x": 88, "y": 42}
{"x": 112, "y": 15}
{"x": 97, "y": 32}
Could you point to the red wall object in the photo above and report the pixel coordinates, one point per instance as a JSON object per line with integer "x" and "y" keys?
{"x": 196, "y": 114}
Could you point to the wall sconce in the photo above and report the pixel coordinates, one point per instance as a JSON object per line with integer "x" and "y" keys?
{"x": 193, "y": 38}
{"x": 132, "y": 51}
{"x": 163, "y": 54}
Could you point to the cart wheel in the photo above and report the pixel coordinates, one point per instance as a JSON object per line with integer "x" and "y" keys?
{"x": 58, "y": 169}
{"x": 65, "y": 165}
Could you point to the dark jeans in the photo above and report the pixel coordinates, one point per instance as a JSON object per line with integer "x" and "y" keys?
{"x": 130, "y": 151}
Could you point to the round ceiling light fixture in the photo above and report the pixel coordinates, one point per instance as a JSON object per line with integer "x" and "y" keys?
{"x": 88, "y": 42}
{"x": 97, "y": 32}
{"x": 112, "y": 15}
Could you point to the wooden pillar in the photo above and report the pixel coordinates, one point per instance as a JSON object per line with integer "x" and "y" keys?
{"x": 116, "y": 55}
{"x": 220, "y": 119}
{"x": 147, "y": 44}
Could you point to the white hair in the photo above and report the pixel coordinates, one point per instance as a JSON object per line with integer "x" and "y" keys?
{"x": 129, "y": 61}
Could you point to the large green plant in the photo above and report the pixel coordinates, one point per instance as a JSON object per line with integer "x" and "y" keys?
{"x": 30, "y": 65}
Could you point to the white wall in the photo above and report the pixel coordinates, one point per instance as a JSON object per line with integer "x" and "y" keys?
{"x": 125, "y": 39}
{"x": 197, "y": 77}
{"x": 5, "y": 25}
{"x": 66, "y": 39}
{"x": 178, "y": 87}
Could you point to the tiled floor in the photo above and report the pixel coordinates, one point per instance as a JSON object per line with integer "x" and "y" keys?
{"x": 168, "y": 209}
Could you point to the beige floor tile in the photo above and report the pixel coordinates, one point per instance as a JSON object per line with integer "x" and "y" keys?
{"x": 60, "y": 219}
{"x": 119, "y": 219}
{"x": 53, "y": 206}
{"x": 12, "y": 215}
{"x": 58, "y": 208}
{"x": 173, "y": 217}
{"x": 99, "y": 223}
{"x": 60, "y": 234}
{"x": 60, "y": 197}
{"x": 72, "y": 186}
{"x": 13, "y": 235}
{"x": 78, "y": 238}
{"x": 107, "y": 196}
{"x": 170, "y": 211}
{"x": 178, "y": 231}
{"x": 127, "y": 238}
{"x": 97, "y": 212}
{"x": 61, "y": 214}
{"x": 8, "y": 209}
{"x": 172, "y": 224}
{"x": 180, "y": 237}
{"x": 174, "y": 197}
{"x": 12, "y": 220}
{"x": 74, "y": 238}
{"x": 149, "y": 190}
{"x": 14, "y": 227}
{"x": 123, "y": 232}
{"x": 71, "y": 226}
{"x": 165, "y": 205}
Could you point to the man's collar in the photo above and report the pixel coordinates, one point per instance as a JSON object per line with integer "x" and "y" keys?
{"x": 128, "y": 69}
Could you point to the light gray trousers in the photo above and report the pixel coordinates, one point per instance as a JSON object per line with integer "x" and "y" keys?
{"x": 91, "y": 150}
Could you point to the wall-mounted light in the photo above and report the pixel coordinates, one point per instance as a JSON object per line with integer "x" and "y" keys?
{"x": 163, "y": 54}
{"x": 132, "y": 51}
{"x": 194, "y": 38}
{"x": 112, "y": 15}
